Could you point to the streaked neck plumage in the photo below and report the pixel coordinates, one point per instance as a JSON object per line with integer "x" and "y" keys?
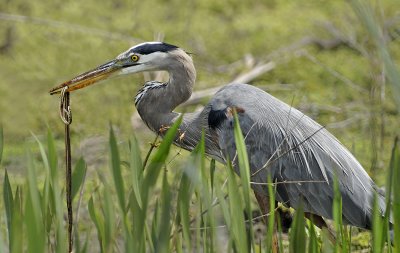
{"x": 156, "y": 101}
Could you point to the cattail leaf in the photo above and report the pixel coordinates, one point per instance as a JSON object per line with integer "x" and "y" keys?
{"x": 52, "y": 159}
{"x": 136, "y": 167}
{"x": 395, "y": 168}
{"x": 164, "y": 226}
{"x": 9, "y": 206}
{"x": 161, "y": 155}
{"x": 238, "y": 228}
{"x": 1, "y": 142}
{"x": 183, "y": 218}
{"x": 116, "y": 170}
{"x": 78, "y": 176}
{"x": 297, "y": 238}
{"x": 98, "y": 222}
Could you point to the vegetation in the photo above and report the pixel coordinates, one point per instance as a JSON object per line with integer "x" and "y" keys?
{"x": 338, "y": 58}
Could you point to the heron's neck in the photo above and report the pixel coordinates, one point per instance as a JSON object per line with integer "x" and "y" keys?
{"x": 157, "y": 105}
{"x": 180, "y": 85}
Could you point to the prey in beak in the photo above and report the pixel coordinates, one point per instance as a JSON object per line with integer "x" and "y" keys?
{"x": 102, "y": 72}
{"x": 124, "y": 64}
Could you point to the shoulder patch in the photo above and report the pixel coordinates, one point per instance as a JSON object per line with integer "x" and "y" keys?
{"x": 216, "y": 117}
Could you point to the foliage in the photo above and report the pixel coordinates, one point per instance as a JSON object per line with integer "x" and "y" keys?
{"x": 144, "y": 221}
{"x": 41, "y": 48}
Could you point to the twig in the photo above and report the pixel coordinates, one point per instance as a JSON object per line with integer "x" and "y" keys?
{"x": 289, "y": 182}
{"x": 243, "y": 78}
{"x": 286, "y": 152}
{"x": 66, "y": 116}
{"x": 153, "y": 145}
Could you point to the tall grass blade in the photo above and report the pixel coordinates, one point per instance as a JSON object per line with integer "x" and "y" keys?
{"x": 183, "y": 219}
{"x": 54, "y": 192}
{"x": 271, "y": 216}
{"x": 98, "y": 222}
{"x": 164, "y": 226}
{"x": 138, "y": 216}
{"x": 377, "y": 227}
{"x": 9, "y": 206}
{"x": 33, "y": 218}
{"x": 161, "y": 155}
{"x": 52, "y": 159}
{"x": 116, "y": 170}
{"x": 238, "y": 228}
{"x": 78, "y": 176}
{"x": 136, "y": 167}
{"x": 244, "y": 168}
{"x": 17, "y": 223}
{"x": 47, "y": 214}
{"x": 1, "y": 142}
{"x": 337, "y": 213}
{"x": 313, "y": 242}
{"x": 395, "y": 167}
{"x": 297, "y": 232}
{"x": 109, "y": 218}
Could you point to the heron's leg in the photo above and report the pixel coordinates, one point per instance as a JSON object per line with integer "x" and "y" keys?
{"x": 263, "y": 203}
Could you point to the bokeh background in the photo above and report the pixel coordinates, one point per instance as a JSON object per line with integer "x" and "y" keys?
{"x": 325, "y": 65}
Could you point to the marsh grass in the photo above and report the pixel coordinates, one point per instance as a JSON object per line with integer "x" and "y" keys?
{"x": 191, "y": 212}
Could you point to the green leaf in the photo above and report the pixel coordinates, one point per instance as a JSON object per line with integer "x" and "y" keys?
{"x": 1, "y": 142}
{"x": 297, "y": 232}
{"x": 164, "y": 226}
{"x": 271, "y": 217}
{"x": 52, "y": 157}
{"x": 244, "y": 169}
{"x": 313, "y": 242}
{"x": 158, "y": 160}
{"x": 17, "y": 223}
{"x": 377, "y": 227}
{"x": 136, "y": 167}
{"x": 243, "y": 163}
{"x": 238, "y": 228}
{"x": 109, "y": 218}
{"x": 116, "y": 170}
{"x": 78, "y": 176}
{"x": 183, "y": 218}
{"x": 98, "y": 222}
{"x": 212, "y": 174}
{"x": 9, "y": 206}
{"x": 395, "y": 168}
{"x": 33, "y": 217}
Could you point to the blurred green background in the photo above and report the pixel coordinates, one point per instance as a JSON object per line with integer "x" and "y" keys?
{"x": 326, "y": 65}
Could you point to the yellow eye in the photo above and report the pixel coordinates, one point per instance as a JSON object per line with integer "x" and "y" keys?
{"x": 135, "y": 58}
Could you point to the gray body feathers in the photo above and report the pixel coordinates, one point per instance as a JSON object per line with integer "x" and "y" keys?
{"x": 271, "y": 128}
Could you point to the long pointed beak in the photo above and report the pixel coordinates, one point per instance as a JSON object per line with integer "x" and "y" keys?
{"x": 102, "y": 72}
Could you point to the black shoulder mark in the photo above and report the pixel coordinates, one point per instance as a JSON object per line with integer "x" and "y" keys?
{"x": 216, "y": 117}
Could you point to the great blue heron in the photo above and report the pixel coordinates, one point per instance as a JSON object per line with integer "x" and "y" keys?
{"x": 280, "y": 140}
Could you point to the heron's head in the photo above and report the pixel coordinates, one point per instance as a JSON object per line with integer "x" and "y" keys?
{"x": 149, "y": 56}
